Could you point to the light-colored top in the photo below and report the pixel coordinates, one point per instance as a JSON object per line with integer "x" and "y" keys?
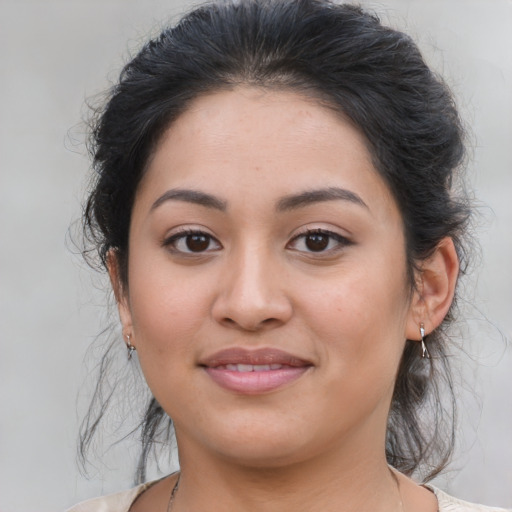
{"x": 122, "y": 501}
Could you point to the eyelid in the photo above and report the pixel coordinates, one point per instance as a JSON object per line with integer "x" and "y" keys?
{"x": 342, "y": 240}
{"x": 181, "y": 233}
{"x": 186, "y": 229}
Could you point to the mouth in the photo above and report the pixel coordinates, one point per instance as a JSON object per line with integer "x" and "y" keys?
{"x": 254, "y": 371}
{"x": 250, "y": 367}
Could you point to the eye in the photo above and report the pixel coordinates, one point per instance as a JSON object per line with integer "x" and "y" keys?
{"x": 318, "y": 241}
{"x": 192, "y": 241}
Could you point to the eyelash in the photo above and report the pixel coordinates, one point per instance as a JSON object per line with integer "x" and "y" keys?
{"x": 340, "y": 240}
{"x": 183, "y": 235}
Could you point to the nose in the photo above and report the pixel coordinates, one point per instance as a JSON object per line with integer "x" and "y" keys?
{"x": 252, "y": 293}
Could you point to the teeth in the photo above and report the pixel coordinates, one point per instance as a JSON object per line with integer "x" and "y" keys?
{"x": 250, "y": 367}
{"x": 245, "y": 367}
{"x": 261, "y": 367}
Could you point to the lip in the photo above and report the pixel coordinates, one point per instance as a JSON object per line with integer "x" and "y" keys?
{"x": 275, "y": 369}
{"x": 240, "y": 355}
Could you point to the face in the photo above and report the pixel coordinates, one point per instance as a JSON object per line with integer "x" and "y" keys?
{"x": 267, "y": 294}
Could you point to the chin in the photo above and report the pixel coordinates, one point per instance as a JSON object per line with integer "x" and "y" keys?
{"x": 258, "y": 456}
{"x": 265, "y": 442}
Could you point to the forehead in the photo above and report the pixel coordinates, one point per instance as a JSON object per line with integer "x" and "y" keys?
{"x": 266, "y": 118}
{"x": 244, "y": 139}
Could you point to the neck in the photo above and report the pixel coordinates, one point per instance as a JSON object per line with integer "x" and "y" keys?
{"x": 312, "y": 486}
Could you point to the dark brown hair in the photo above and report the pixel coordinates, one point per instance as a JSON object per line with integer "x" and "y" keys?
{"x": 346, "y": 58}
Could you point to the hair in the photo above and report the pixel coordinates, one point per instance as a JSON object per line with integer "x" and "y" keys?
{"x": 345, "y": 58}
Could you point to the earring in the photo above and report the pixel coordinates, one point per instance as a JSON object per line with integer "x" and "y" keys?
{"x": 424, "y": 350}
{"x": 131, "y": 349}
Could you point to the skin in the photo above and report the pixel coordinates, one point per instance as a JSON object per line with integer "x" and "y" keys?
{"x": 316, "y": 443}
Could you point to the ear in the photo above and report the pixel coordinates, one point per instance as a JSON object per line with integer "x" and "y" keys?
{"x": 435, "y": 289}
{"x": 120, "y": 291}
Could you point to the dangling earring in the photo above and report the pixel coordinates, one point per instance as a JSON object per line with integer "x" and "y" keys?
{"x": 131, "y": 349}
{"x": 424, "y": 350}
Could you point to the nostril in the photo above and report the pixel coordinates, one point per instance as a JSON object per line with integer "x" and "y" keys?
{"x": 250, "y": 325}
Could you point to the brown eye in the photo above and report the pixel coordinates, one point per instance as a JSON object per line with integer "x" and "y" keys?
{"x": 316, "y": 242}
{"x": 198, "y": 242}
{"x": 319, "y": 241}
{"x": 189, "y": 242}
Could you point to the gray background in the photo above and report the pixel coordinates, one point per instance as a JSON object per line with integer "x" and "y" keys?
{"x": 54, "y": 54}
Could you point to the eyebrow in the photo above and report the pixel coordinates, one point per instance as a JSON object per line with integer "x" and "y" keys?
{"x": 191, "y": 196}
{"x": 286, "y": 203}
{"x": 316, "y": 196}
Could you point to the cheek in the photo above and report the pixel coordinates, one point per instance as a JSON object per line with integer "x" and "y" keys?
{"x": 167, "y": 319}
{"x": 361, "y": 323}
{"x": 167, "y": 308}
{"x": 361, "y": 315}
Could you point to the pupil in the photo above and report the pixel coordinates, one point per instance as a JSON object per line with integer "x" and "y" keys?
{"x": 317, "y": 242}
{"x": 198, "y": 243}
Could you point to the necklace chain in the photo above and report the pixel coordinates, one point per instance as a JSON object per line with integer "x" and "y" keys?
{"x": 173, "y": 493}
{"x": 177, "y": 484}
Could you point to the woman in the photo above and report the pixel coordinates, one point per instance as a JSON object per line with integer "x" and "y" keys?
{"x": 274, "y": 206}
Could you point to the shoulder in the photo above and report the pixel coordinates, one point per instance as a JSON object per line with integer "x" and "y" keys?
{"x": 118, "y": 502}
{"x": 448, "y": 503}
